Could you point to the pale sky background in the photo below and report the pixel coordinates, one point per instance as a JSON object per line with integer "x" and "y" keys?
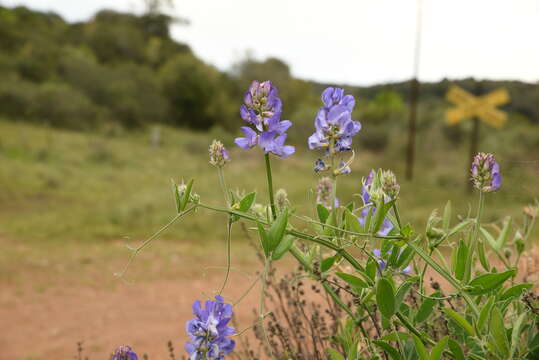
{"x": 357, "y": 42}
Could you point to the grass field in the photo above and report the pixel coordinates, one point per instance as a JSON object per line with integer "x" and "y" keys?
{"x": 64, "y": 193}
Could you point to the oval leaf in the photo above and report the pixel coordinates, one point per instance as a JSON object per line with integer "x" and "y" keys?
{"x": 385, "y": 297}
{"x": 488, "y": 282}
{"x": 352, "y": 280}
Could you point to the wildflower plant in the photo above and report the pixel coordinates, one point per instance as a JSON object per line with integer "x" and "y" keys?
{"x": 481, "y": 311}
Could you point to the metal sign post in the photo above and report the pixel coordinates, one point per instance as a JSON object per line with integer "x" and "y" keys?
{"x": 479, "y": 108}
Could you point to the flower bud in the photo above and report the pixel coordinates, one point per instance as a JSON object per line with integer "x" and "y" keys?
{"x": 259, "y": 210}
{"x": 485, "y": 173}
{"x": 281, "y": 199}
{"x": 377, "y": 196}
{"x": 531, "y": 211}
{"x": 218, "y": 154}
{"x": 323, "y": 191}
{"x": 389, "y": 184}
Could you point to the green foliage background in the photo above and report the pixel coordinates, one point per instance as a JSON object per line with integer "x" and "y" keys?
{"x": 120, "y": 69}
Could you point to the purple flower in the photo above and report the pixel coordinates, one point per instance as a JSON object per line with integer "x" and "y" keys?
{"x": 320, "y": 165}
{"x": 406, "y": 270}
{"x": 262, "y": 109}
{"x": 250, "y": 139}
{"x": 343, "y": 169}
{"x": 485, "y": 173}
{"x": 209, "y": 331}
{"x": 271, "y": 142}
{"x": 369, "y": 207}
{"x": 382, "y": 264}
{"x": 334, "y": 127}
{"x": 124, "y": 353}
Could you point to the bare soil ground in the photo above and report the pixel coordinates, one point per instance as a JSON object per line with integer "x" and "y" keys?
{"x": 144, "y": 315}
{"x": 44, "y": 314}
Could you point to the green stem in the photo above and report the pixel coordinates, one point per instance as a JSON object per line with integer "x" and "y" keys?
{"x": 261, "y": 314}
{"x": 404, "y": 321}
{"x": 397, "y": 216}
{"x": 228, "y": 255}
{"x": 454, "y": 282}
{"x": 150, "y": 239}
{"x": 224, "y": 188}
{"x": 473, "y": 245}
{"x": 329, "y": 290}
{"x": 270, "y": 185}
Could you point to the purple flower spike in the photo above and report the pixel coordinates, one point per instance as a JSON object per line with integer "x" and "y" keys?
{"x": 485, "y": 173}
{"x": 262, "y": 109}
{"x": 124, "y": 353}
{"x": 209, "y": 331}
{"x": 333, "y": 124}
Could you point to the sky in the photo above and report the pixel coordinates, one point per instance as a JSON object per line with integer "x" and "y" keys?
{"x": 355, "y": 42}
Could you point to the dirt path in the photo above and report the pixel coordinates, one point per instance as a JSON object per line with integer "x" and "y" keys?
{"x": 143, "y": 315}
{"x": 45, "y": 323}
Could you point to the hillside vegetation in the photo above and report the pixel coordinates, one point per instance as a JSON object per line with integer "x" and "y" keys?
{"x": 124, "y": 71}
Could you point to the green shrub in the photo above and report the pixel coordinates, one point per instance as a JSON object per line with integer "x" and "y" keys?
{"x": 62, "y": 106}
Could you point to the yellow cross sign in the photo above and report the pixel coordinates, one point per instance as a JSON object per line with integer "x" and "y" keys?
{"x": 484, "y": 107}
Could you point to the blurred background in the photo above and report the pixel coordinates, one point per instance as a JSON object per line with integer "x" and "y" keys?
{"x": 103, "y": 102}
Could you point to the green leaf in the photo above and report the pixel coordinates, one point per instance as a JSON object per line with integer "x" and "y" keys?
{"x": 247, "y": 202}
{"x": 176, "y": 196}
{"x": 385, "y": 297}
{"x": 334, "y": 354}
{"x": 483, "y": 259}
{"x": 462, "y": 255}
{"x": 484, "y": 315}
{"x": 459, "y": 227}
{"x": 488, "y": 282}
{"x": 438, "y": 349}
{"x": 498, "y": 333}
{"x": 515, "y": 291}
{"x": 407, "y": 231}
{"x": 322, "y": 212}
{"x": 185, "y": 198}
{"x": 390, "y": 350}
{"x": 371, "y": 268}
{"x": 283, "y": 247}
{"x": 426, "y": 308}
{"x": 420, "y": 348}
{"x": 405, "y": 257}
{"x": 394, "y": 255}
{"x": 380, "y": 215}
{"x": 504, "y": 234}
{"x": 264, "y": 239}
{"x": 352, "y": 280}
{"x": 515, "y": 336}
{"x": 403, "y": 290}
{"x": 327, "y": 263}
{"x": 329, "y": 230}
{"x": 460, "y": 321}
{"x": 456, "y": 350}
{"x": 277, "y": 230}
{"x": 447, "y": 217}
{"x": 533, "y": 343}
{"x": 396, "y": 336}
{"x": 352, "y": 223}
{"x": 490, "y": 239}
